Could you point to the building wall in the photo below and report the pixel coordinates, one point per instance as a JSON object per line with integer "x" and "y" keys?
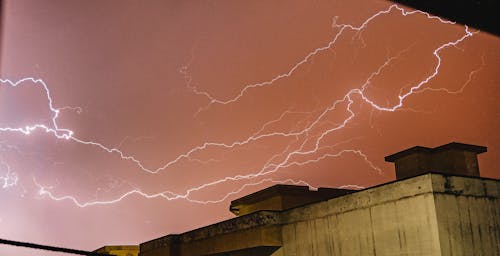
{"x": 395, "y": 219}
{"x": 468, "y": 214}
{"x": 427, "y": 215}
{"x": 159, "y": 247}
{"x": 253, "y": 234}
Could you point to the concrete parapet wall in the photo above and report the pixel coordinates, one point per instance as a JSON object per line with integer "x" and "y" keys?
{"x": 257, "y": 230}
{"x": 394, "y": 219}
{"x": 468, "y": 215}
{"x": 432, "y": 214}
{"x": 164, "y": 246}
{"x": 428, "y": 215}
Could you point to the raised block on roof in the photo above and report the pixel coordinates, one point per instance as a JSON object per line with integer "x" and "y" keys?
{"x": 282, "y": 197}
{"x": 453, "y": 158}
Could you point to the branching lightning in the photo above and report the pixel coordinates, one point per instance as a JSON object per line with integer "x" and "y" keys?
{"x": 341, "y": 29}
{"x": 310, "y": 146}
{"x": 8, "y": 178}
{"x": 168, "y": 195}
{"x": 464, "y": 85}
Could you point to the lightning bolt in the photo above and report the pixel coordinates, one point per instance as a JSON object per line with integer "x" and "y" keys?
{"x": 341, "y": 29}
{"x": 168, "y": 195}
{"x": 311, "y": 145}
{"x": 10, "y": 178}
{"x": 461, "y": 89}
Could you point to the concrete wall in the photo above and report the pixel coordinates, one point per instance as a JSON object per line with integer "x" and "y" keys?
{"x": 468, "y": 214}
{"x": 256, "y": 233}
{"x": 162, "y": 246}
{"x": 395, "y": 219}
{"x": 427, "y": 215}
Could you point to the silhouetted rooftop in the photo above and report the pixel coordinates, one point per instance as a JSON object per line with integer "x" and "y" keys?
{"x": 450, "y": 146}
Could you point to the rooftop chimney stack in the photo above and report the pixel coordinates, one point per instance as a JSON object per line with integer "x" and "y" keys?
{"x": 453, "y": 158}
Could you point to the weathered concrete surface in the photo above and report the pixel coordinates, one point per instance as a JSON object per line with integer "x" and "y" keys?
{"x": 239, "y": 241}
{"x": 394, "y": 219}
{"x": 162, "y": 246}
{"x": 468, "y": 214}
{"x": 258, "y": 251}
{"x": 432, "y": 214}
{"x": 254, "y": 232}
{"x": 427, "y": 215}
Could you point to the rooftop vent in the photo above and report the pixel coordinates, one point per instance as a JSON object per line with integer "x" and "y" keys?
{"x": 453, "y": 158}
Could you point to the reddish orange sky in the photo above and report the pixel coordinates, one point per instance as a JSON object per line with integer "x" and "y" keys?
{"x": 280, "y": 91}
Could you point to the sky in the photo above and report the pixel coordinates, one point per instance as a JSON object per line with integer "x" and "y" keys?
{"x": 124, "y": 121}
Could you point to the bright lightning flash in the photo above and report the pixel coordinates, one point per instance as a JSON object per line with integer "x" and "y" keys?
{"x": 284, "y": 159}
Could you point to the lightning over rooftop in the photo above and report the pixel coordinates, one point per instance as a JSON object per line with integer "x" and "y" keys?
{"x": 156, "y": 113}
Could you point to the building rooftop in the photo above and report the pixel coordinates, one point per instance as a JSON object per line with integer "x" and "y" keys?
{"x": 420, "y": 213}
{"x": 265, "y": 232}
{"x": 282, "y": 197}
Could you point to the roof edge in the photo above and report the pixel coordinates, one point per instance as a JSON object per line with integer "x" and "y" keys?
{"x": 425, "y": 150}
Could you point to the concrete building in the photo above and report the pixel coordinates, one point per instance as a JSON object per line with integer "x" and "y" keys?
{"x": 438, "y": 206}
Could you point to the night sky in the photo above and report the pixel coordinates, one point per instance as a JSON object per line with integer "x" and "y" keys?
{"x": 168, "y": 110}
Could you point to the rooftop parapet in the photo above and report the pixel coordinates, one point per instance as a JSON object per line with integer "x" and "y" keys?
{"x": 282, "y": 197}
{"x": 453, "y": 158}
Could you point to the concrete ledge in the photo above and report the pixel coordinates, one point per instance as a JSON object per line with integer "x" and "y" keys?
{"x": 160, "y": 246}
{"x": 465, "y": 186}
{"x": 258, "y": 219}
{"x": 257, "y": 230}
{"x": 395, "y": 218}
{"x": 253, "y": 238}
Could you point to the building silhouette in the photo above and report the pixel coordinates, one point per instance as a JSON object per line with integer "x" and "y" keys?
{"x": 437, "y": 206}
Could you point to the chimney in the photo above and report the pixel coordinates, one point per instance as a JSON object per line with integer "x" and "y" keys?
{"x": 453, "y": 158}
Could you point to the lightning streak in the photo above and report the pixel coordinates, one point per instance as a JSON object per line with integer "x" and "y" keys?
{"x": 54, "y": 128}
{"x": 168, "y": 195}
{"x": 273, "y": 164}
{"x": 342, "y": 28}
{"x": 469, "y": 79}
{"x": 9, "y": 179}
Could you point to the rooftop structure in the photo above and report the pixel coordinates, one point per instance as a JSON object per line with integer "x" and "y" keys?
{"x": 453, "y": 158}
{"x": 438, "y": 206}
{"x": 282, "y": 197}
